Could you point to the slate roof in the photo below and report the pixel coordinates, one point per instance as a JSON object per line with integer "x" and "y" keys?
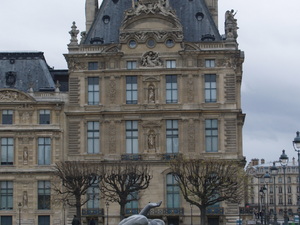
{"x": 28, "y": 68}
{"x": 186, "y": 10}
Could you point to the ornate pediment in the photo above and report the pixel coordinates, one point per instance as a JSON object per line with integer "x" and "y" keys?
{"x": 9, "y": 95}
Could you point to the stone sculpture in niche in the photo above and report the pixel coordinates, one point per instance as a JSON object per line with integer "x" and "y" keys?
{"x": 230, "y": 25}
{"x": 151, "y": 94}
{"x": 151, "y": 140}
{"x": 141, "y": 219}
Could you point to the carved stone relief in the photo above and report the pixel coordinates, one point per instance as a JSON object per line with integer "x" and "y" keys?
{"x": 74, "y": 65}
{"x": 112, "y": 137}
{"x": 13, "y": 96}
{"x": 190, "y": 89}
{"x": 151, "y": 59}
{"x": 112, "y": 92}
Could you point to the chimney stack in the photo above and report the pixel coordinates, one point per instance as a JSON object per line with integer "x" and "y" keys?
{"x": 91, "y": 8}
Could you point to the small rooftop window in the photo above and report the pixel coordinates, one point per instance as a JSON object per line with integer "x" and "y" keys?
{"x": 96, "y": 40}
{"x": 199, "y": 16}
{"x": 106, "y": 19}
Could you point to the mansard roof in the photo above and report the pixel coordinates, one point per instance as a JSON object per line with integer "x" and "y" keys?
{"x": 194, "y": 16}
{"x": 25, "y": 70}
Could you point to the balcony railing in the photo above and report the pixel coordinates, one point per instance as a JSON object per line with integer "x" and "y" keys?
{"x": 131, "y": 157}
{"x": 170, "y": 156}
{"x": 246, "y": 210}
{"x": 158, "y": 212}
{"x": 214, "y": 210}
{"x": 92, "y": 212}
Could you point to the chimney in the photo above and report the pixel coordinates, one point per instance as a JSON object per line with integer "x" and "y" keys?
{"x": 262, "y": 161}
{"x": 255, "y": 162}
{"x": 293, "y": 160}
{"x": 91, "y": 8}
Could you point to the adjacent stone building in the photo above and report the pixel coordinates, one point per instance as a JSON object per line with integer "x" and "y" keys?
{"x": 149, "y": 80}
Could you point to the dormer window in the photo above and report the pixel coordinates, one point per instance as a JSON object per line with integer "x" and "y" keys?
{"x": 106, "y": 19}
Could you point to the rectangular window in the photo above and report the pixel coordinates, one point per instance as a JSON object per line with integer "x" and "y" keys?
{"x": 93, "y": 66}
{"x": 93, "y": 135}
{"x": 171, "y": 89}
{"x": 93, "y": 197}
{"x": 7, "y": 151}
{"x": 171, "y": 63}
{"x": 6, "y": 220}
{"x": 44, "y": 151}
{"x": 172, "y": 136}
{"x": 133, "y": 204}
{"x": 93, "y": 90}
{"x": 7, "y": 117}
{"x": 131, "y": 90}
{"x": 132, "y": 137}
{"x": 131, "y": 65}
{"x": 44, "y": 194}
{"x": 173, "y": 199}
{"x": 6, "y": 195}
{"x": 209, "y": 63}
{"x": 44, "y": 116}
{"x": 210, "y": 88}
{"x": 211, "y": 135}
{"x": 44, "y": 220}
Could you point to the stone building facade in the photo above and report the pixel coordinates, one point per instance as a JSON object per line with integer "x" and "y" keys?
{"x": 149, "y": 80}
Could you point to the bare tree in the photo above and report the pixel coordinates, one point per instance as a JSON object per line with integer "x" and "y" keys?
{"x": 205, "y": 182}
{"x": 75, "y": 178}
{"x": 122, "y": 181}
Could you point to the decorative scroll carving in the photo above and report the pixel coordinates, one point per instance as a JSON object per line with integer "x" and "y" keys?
{"x": 13, "y": 96}
{"x": 151, "y": 59}
{"x": 141, "y": 36}
{"x": 112, "y": 137}
{"x": 191, "y": 136}
{"x": 74, "y": 65}
{"x": 112, "y": 92}
{"x": 190, "y": 89}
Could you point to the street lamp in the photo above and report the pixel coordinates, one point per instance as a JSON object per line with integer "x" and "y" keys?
{"x": 267, "y": 181}
{"x": 107, "y": 206}
{"x": 284, "y": 159}
{"x": 296, "y": 144}
{"x": 262, "y": 202}
{"x": 20, "y": 207}
{"x": 274, "y": 172}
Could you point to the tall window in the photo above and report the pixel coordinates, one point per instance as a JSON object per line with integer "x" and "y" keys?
{"x": 44, "y": 194}
{"x": 93, "y": 135}
{"x": 7, "y": 117}
{"x": 171, "y": 64}
{"x": 93, "y": 90}
{"x": 131, "y": 90}
{"x": 211, "y": 135}
{"x": 44, "y": 151}
{"x": 7, "y": 220}
{"x": 172, "y": 136}
{"x": 131, "y": 65}
{"x": 289, "y": 189}
{"x": 7, "y": 151}
{"x": 44, "y": 220}
{"x": 6, "y": 195}
{"x": 132, "y": 137}
{"x": 171, "y": 89}
{"x": 280, "y": 189}
{"x": 93, "y": 197}
{"x": 133, "y": 204}
{"x": 172, "y": 192}
{"x": 210, "y": 88}
{"x": 44, "y": 116}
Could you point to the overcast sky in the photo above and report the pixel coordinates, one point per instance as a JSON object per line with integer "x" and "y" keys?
{"x": 269, "y": 35}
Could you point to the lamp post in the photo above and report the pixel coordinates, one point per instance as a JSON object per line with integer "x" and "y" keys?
{"x": 191, "y": 214}
{"x": 263, "y": 204}
{"x": 274, "y": 172}
{"x": 296, "y": 144}
{"x": 20, "y": 207}
{"x": 284, "y": 159}
{"x": 107, "y": 206}
{"x": 267, "y": 180}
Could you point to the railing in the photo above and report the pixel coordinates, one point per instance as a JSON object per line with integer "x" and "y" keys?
{"x": 214, "y": 210}
{"x": 131, "y": 157}
{"x": 158, "y": 211}
{"x": 246, "y": 210}
{"x": 92, "y": 212}
{"x": 170, "y": 156}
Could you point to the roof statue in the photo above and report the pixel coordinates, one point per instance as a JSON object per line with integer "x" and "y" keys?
{"x": 230, "y": 25}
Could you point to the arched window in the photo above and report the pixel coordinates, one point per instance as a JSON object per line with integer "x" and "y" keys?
{"x": 172, "y": 192}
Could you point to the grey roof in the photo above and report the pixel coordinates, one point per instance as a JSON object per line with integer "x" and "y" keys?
{"x": 193, "y": 29}
{"x": 27, "y": 69}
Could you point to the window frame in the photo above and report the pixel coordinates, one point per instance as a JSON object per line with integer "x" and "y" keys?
{"x": 131, "y": 65}
{"x": 45, "y": 150}
{"x": 93, "y": 203}
{"x": 44, "y": 116}
{"x": 93, "y": 66}
{"x": 44, "y": 195}
{"x": 172, "y": 136}
{"x": 210, "y": 89}
{"x": 172, "y": 192}
{"x": 211, "y": 135}
{"x": 171, "y": 64}
{"x": 93, "y": 135}
{"x": 131, "y": 90}
{"x": 132, "y": 137}
{"x": 171, "y": 89}
{"x": 7, "y": 116}
{"x": 6, "y": 192}
{"x": 93, "y": 90}
{"x": 210, "y": 63}
{"x": 7, "y": 151}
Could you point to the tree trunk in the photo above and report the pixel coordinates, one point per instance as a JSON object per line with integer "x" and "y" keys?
{"x": 203, "y": 215}
{"x": 78, "y": 207}
{"x": 122, "y": 211}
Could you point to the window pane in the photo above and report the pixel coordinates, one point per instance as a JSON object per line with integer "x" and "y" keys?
{"x": 44, "y": 151}
{"x": 131, "y": 137}
{"x": 93, "y": 135}
{"x": 7, "y": 117}
{"x": 211, "y": 135}
{"x": 171, "y": 89}
{"x": 131, "y": 90}
{"x": 93, "y": 90}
